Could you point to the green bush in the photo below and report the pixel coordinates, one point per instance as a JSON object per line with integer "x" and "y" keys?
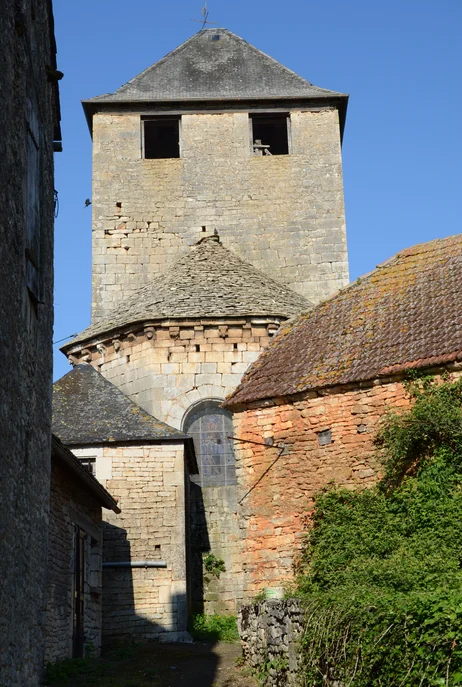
{"x": 213, "y": 566}
{"x": 214, "y": 628}
{"x": 385, "y": 639}
{"x": 407, "y": 441}
{"x": 381, "y": 568}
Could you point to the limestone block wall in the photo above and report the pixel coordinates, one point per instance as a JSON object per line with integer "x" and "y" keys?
{"x": 277, "y": 509}
{"x": 215, "y": 529}
{"x": 149, "y": 483}
{"x": 168, "y": 366}
{"x": 70, "y": 506}
{"x": 284, "y": 214}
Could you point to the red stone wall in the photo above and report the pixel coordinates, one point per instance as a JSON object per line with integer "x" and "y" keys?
{"x": 274, "y": 513}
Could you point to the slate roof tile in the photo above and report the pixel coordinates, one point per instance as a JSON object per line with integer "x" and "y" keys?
{"x": 405, "y": 314}
{"x": 207, "y": 68}
{"x": 210, "y": 281}
{"x": 90, "y": 410}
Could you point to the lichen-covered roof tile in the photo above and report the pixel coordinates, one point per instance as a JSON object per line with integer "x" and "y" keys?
{"x": 215, "y": 64}
{"x": 90, "y": 410}
{"x": 210, "y": 281}
{"x": 405, "y": 314}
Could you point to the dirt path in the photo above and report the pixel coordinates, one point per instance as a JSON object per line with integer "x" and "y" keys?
{"x": 167, "y": 665}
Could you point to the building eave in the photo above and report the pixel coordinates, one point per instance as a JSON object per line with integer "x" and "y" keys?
{"x": 395, "y": 373}
{"x": 67, "y": 458}
{"x": 198, "y": 105}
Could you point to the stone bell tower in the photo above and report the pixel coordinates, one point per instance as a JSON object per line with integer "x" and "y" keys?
{"x": 217, "y": 136}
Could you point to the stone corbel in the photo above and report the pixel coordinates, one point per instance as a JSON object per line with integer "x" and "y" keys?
{"x": 86, "y": 355}
{"x": 102, "y": 350}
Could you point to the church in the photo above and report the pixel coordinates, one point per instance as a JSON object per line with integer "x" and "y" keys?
{"x": 218, "y": 215}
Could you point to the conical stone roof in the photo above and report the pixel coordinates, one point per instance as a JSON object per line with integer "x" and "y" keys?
{"x": 209, "y": 282}
{"x": 215, "y": 64}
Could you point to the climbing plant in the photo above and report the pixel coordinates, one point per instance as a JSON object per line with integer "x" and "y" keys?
{"x": 213, "y": 565}
{"x": 380, "y": 571}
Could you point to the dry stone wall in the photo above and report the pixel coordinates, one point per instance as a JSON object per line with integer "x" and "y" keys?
{"x": 70, "y": 506}
{"x": 270, "y": 633}
{"x": 284, "y": 214}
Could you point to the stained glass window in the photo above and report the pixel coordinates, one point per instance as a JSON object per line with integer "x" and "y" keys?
{"x": 210, "y": 426}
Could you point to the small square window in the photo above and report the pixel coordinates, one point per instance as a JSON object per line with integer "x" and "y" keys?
{"x": 89, "y": 463}
{"x": 161, "y": 138}
{"x": 325, "y": 437}
{"x": 270, "y": 134}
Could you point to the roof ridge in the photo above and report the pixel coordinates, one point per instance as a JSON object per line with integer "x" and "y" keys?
{"x": 279, "y": 65}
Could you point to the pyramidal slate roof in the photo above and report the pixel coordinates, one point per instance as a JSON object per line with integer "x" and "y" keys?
{"x": 405, "y": 314}
{"x": 89, "y": 410}
{"x": 210, "y": 281}
{"x": 215, "y": 64}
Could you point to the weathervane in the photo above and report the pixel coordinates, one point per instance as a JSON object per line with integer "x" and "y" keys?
{"x": 205, "y": 16}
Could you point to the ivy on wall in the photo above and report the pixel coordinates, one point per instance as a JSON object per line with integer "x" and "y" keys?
{"x": 381, "y": 570}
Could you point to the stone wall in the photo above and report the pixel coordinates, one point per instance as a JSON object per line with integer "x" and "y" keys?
{"x": 26, "y": 199}
{"x": 149, "y": 483}
{"x": 215, "y": 529}
{"x": 284, "y": 214}
{"x": 273, "y": 515}
{"x": 71, "y": 506}
{"x": 166, "y": 368}
{"x": 270, "y": 633}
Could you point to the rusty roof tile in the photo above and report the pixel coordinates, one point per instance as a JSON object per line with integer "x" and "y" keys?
{"x": 406, "y": 313}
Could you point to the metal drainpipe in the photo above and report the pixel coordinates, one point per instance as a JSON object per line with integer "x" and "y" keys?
{"x": 135, "y": 564}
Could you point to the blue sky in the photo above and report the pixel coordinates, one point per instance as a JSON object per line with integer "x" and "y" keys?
{"x": 399, "y": 60}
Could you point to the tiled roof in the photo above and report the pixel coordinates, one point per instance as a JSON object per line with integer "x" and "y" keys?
{"x": 210, "y": 281}
{"x": 405, "y": 314}
{"x": 62, "y": 454}
{"x": 90, "y": 410}
{"x": 215, "y": 64}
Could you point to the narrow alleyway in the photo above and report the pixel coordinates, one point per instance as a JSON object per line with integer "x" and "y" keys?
{"x": 166, "y": 665}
